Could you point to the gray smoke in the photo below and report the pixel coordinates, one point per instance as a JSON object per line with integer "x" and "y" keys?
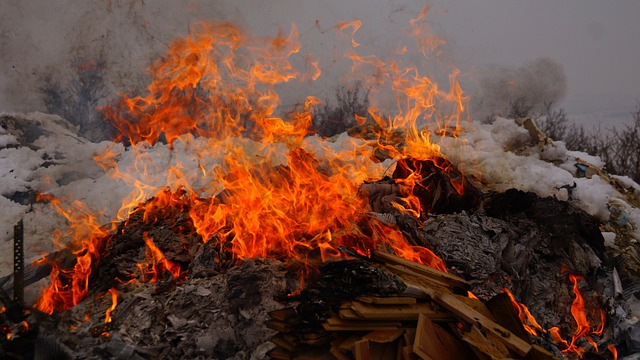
{"x": 71, "y": 57}
{"x": 502, "y": 90}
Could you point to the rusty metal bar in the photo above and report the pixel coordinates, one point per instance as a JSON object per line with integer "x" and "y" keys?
{"x": 18, "y": 264}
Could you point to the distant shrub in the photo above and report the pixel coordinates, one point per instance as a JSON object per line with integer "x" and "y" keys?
{"x": 619, "y": 148}
{"x": 336, "y": 118}
{"x": 78, "y": 100}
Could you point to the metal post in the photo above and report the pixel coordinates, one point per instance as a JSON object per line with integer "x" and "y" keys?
{"x": 18, "y": 264}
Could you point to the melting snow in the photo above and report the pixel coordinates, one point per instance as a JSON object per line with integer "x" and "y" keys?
{"x": 40, "y": 152}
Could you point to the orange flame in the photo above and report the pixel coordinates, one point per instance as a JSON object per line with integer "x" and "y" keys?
{"x": 159, "y": 263}
{"x": 355, "y": 25}
{"x": 614, "y": 351}
{"x": 114, "y": 303}
{"x": 583, "y": 329}
{"x": 528, "y": 321}
{"x": 263, "y": 188}
{"x": 87, "y": 239}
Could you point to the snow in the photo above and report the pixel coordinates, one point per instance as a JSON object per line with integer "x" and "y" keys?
{"x": 496, "y": 156}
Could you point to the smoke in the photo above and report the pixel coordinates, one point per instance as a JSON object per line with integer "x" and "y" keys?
{"x": 508, "y": 91}
{"x": 71, "y": 57}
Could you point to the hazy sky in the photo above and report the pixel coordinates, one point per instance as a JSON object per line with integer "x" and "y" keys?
{"x": 597, "y": 42}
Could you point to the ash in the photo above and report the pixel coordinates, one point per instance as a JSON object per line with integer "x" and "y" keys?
{"x": 212, "y": 317}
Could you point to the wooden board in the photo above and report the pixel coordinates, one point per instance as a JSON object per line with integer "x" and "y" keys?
{"x": 452, "y": 280}
{"x": 470, "y": 315}
{"x": 361, "y": 350}
{"x": 280, "y": 341}
{"x": 339, "y": 354}
{"x": 349, "y": 314}
{"x": 433, "y": 342}
{"x": 279, "y": 326}
{"x": 392, "y": 300}
{"x": 506, "y": 315}
{"x": 336, "y": 324}
{"x": 485, "y": 346}
{"x": 398, "y": 312}
{"x": 384, "y": 336}
{"x": 288, "y": 315}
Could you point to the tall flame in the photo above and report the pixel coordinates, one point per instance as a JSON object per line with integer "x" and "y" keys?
{"x": 114, "y": 303}
{"x": 263, "y": 187}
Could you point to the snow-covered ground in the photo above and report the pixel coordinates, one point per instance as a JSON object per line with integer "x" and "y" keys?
{"x": 42, "y": 153}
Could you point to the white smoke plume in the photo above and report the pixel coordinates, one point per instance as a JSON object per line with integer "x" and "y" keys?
{"x": 530, "y": 87}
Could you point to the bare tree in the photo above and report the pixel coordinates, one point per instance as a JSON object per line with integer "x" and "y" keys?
{"x": 332, "y": 120}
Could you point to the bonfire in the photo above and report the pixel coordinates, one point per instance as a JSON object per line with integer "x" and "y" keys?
{"x": 230, "y": 229}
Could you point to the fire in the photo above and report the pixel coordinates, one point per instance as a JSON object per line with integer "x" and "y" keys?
{"x": 87, "y": 238}
{"x": 114, "y": 303}
{"x": 263, "y": 186}
{"x": 614, "y": 351}
{"x": 159, "y": 263}
{"x": 528, "y": 321}
{"x": 583, "y": 326}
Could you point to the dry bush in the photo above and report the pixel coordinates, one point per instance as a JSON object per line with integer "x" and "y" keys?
{"x": 335, "y": 119}
{"x": 619, "y": 148}
{"x": 79, "y": 99}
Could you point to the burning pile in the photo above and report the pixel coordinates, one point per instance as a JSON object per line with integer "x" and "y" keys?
{"x": 266, "y": 189}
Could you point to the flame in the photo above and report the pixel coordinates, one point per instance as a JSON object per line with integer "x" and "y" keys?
{"x": 159, "y": 263}
{"x": 114, "y": 303}
{"x": 263, "y": 188}
{"x": 354, "y": 25}
{"x": 583, "y": 327}
{"x": 614, "y": 351}
{"x": 87, "y": 239}
{"x": 528, "y": 321}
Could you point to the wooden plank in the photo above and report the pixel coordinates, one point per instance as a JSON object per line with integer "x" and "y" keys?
{"x": 384, "y": 336}
{"x": 383, "y": 351}
{"x": 288, "y": 315}
{"x": 347, "y": 345}
{"x": 470, "y": 315}
{"x": 432, "y": 342}
{"x": 280, "y": 354}
{"x": 339, "y": 354}
{"x": 280, "y": 341}
{"x": 392, "y": 300}
{"x": 338, "y": 321}
{"x": 403, "y": 272}
{"x": 424, "y": 270}
{"x": 361, "y": 350}
{"x": 540, "y": 353}
{"x": 398, "y": 312}
{"x": 506, "y": 315}
{"x": 409, "y": 336}
{"x": 484, "y": 346}
{"x": 349, "y": 314}
{"x": 314, "y": 354}
{"x": 408, "y": 354}
{"x": 279, "y": 326}
{"x": 365, "y": 327}
{"x": 477, "y": 305}
{"x": 316, "y": 339}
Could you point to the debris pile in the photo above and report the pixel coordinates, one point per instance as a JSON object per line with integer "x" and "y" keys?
{"x": 415, "y": 312}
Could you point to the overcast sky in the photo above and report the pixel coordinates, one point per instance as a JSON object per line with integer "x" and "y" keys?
{"x": 597, "y": 42}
